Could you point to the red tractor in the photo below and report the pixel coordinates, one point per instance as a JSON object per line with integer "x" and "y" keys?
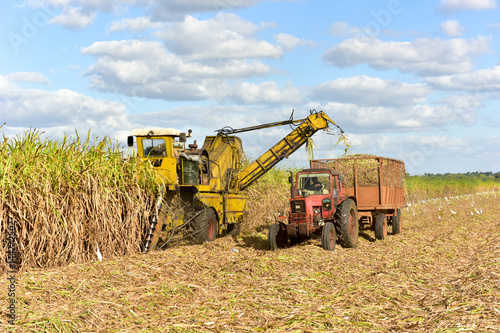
{"x": 321, "y": 203}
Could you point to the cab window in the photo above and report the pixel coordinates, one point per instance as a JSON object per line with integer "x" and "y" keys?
{"x": 313, "y": 183}
{"x": 154, "y": 147}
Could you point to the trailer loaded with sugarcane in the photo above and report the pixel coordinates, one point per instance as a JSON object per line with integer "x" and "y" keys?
{"x": 335, "y": 198}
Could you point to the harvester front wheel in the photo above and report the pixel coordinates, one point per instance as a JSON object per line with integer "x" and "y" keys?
{"x": 276, "y": 237}
{"x": 380, "y": 226}
{"x": 347, "y": 218}
{"x": 328, "y": 236}
{"x": 205, "y": 226}
{"x": 396, "y": 222}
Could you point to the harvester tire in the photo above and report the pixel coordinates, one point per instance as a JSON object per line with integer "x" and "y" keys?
{"x": 396, "y": 223}
{"x": 276, "y": 237}
{"x": 328, "y": 236}
{"x": 347, "y": 220}
{"x": 380, "y": 226}
{"x": 205, "y": 226}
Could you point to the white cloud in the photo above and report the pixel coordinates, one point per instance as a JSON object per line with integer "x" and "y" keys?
{"x": 135, "y": 24}
{"x": 145, "y": 69}
{"x": 454, "y": 5}
{"x": 424, "y": 56}
{"x": 265, "y": 92}
{"x": 177, "y": 9}
{"x": 369, "y": 91}
{"x": 60, "y": 110}
{"x": 226, "y": 36}
{"x": 78, "y": 14}
{"x": 342, "y": 29}
{"x": 32, "y": 77}
{"x": 484, "y": 83}
{"x": 289, "y": 42}
{"x": 452, "y": 28}
{"x": 74, "y": 18}
{"x": 413, "y": 118}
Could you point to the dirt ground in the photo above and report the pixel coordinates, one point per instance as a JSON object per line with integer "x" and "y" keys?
{"x": 441, "y": 274}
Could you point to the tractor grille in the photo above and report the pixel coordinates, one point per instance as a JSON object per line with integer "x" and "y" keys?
{"x": 297, "y": 206}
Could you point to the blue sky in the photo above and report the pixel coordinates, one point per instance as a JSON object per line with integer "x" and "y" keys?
{"x": 413, "y": 80}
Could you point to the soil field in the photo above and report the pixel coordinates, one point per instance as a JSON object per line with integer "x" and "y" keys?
{"x": 441, "y": 274}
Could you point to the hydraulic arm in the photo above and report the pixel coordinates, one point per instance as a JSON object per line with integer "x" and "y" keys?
{"x": 284, "y": 148}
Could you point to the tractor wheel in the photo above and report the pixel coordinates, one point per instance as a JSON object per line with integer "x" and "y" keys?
{"x": 205, "y": 226}
{"x": 380, "y": 226}
{"x": 277, "y": 237}
{"x": 328, "y": 236}
{"x": 347, "y": 220}
{"x": 396, "y": 223}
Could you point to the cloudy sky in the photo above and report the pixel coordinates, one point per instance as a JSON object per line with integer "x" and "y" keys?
{"x": 413, "y": 80}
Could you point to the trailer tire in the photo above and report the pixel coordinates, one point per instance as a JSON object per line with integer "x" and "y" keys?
{"x": 347, "y": 220}
{"x": 328, "y": 236}
{"x": 205, "y": 226}
{"x": 396, "y": 223}
{"x": 276, "y": 237}
{"x": 380, "y": 226}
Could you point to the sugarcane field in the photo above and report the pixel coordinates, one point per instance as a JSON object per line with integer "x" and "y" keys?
{"x": 81, "y": 211}
{"x": 250, "y": 166}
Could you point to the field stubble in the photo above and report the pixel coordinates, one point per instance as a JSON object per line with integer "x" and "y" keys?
{"x": 440, "y": 275}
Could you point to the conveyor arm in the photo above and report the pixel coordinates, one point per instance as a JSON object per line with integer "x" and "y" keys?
{"x": 284, "y": 148}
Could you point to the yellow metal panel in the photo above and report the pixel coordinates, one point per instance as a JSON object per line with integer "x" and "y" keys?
{"x": 236, "y": 207}
{"x": 213, "y": 200}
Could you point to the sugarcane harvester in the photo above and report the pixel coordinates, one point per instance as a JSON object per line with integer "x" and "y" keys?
{"x": 200, "y": 189}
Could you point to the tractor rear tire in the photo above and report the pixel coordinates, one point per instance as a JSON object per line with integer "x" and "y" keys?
{"x": 347, "y": 220}
{"x": 276, "y": 237}
{"x": 205, "y": 226}
{"x": 396, "y": 223}
{"x": 380, "y": 226}
{"x": 328, "y": 236}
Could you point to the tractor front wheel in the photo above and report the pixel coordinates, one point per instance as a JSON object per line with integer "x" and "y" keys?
{"x": 277, "y": 237}
{"x": 328, "y": 236}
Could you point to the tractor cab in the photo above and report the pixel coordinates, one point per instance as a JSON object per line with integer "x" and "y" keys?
{"x": 317, "y": 182}
{"x": 315, "y": 196}
{"x": 161, "y": 147}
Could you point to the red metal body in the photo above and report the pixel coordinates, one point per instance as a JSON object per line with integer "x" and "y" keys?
{"x": 310, "y": 209}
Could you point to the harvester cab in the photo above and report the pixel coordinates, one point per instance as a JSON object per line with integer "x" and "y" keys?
{"x": 165, "y": 149}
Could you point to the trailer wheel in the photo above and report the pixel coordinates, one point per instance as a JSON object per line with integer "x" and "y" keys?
{"x": 328, "y": 236}
{"x": 396, "y": 223}
{"x": 276, "y": 237}
{"x": 205, "y": 226}
{"x": 380, "y": 226}
{"x": 347, "y": 218}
